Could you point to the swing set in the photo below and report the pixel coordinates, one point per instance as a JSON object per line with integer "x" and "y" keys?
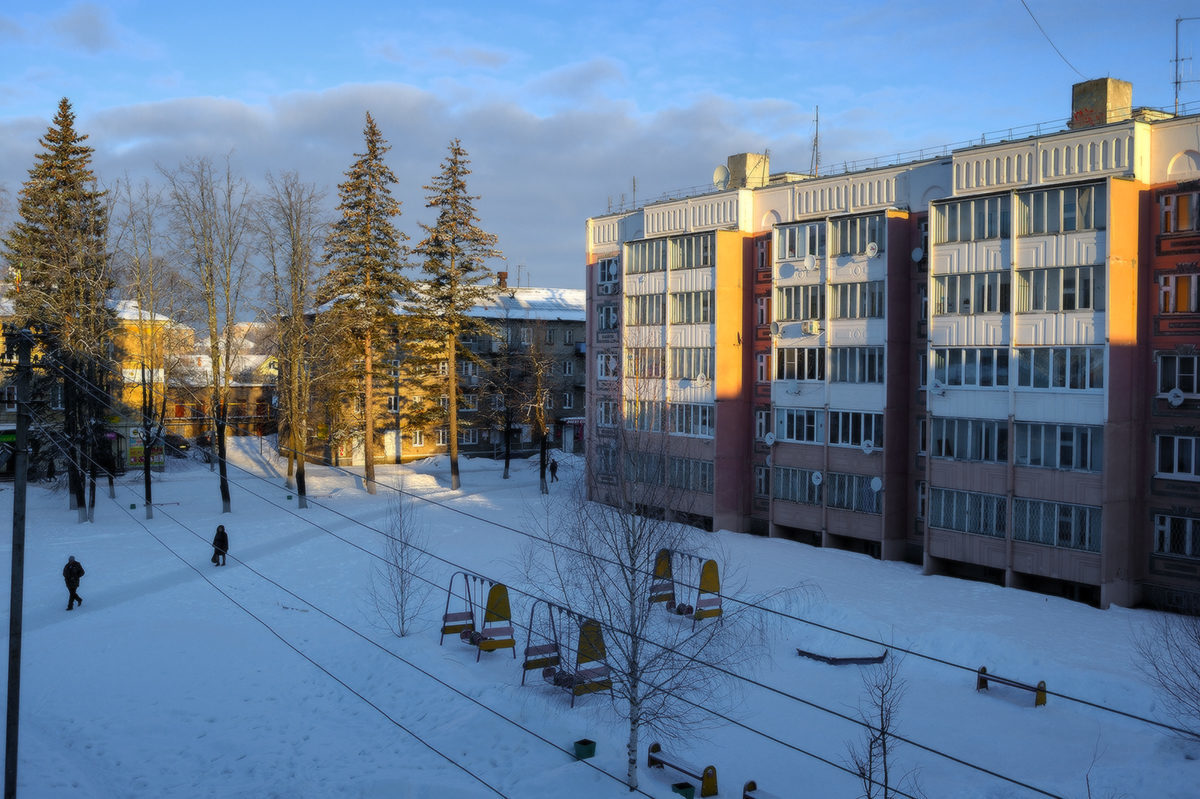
{"x": 691, "y": 570}
{"x": 480, "y": 598}
{"x": 580, "y": 670}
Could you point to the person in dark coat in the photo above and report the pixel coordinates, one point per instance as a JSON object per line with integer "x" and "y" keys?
{"x": 71, "y": 573}
{"x": 220, "y": 546}
{"x": 553, "y": 471}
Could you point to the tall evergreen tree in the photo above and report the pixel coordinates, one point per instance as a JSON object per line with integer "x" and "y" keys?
{"x": 455, "y": 250}
{"x": 60, "y": 284}
{"x": 364, "y": 283}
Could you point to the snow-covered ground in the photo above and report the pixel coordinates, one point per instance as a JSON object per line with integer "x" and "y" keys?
{"x": 272, "y": 677}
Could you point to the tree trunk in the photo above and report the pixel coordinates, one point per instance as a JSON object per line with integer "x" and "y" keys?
{"x": 631, "y": 747}
{"x": 542, "y": 466}
{"x": 368, "y": 417}
{"x": 452, "y": 392}
{"x": 226, "y": 504}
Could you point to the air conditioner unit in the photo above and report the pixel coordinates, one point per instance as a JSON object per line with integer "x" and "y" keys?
{"x": 810, "y": 327}
{"x": 608, "y": 288}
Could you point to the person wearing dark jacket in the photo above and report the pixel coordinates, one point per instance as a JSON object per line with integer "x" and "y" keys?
{"x": 220, "y": 546}
{"x": 71, "y": 573}
{"x": 553, "y": 471}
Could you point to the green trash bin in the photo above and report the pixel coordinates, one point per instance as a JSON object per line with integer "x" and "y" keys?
{"x": 584, "y": 749}
{"x": 684, "y": 789}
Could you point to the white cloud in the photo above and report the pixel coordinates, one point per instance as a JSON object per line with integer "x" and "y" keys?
{"x": 88, "y": 27}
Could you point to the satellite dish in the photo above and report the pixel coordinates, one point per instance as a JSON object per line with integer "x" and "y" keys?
{"x": 786, "y": 271}
{"x": 769, "y": 461}
{"x": 872, "y": 249}
{"x": 816, "y": 478}
{"x": 721, "y": 177}
{"x": 868, "y": 446}
{"x": 776, "y": 328}
{"x": 876, "y": 484}
{"x": 700, "y": 379}
{"x": 810, "y": 262}
{"x": 1175, "y": 397}
{"x": 917, "y": 255}
{"x": 769, "y": 439}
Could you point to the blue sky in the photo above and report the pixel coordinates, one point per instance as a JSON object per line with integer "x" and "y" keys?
{"x": 559, "y": 105}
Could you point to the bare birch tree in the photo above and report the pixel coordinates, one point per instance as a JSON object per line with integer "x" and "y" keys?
{"x": 873, "y": 757}
{"x": 1169, "y": 655}
{"x": 398, "y": 588}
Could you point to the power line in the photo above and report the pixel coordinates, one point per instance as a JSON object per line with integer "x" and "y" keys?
{"x": 1052, "y": 44}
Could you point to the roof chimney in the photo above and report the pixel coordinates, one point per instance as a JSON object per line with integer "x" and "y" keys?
{"x": 748, "y": 170}
{"x": 1100, "y": 101}
{"x": 502, "y": 280}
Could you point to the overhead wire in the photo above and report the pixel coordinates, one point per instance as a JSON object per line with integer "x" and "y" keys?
{"x": 1052, "y": 44}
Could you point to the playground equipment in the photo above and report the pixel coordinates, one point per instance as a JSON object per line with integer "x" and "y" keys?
{"x": 580, "y": 670}
{"x": 487, "y": 598}
{"x": 692, "y": 570}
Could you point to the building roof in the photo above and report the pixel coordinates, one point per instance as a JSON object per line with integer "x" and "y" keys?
{"x": 559, "y": 305}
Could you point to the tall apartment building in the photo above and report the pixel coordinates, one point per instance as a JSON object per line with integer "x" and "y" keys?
{"x": 961, "y": 361}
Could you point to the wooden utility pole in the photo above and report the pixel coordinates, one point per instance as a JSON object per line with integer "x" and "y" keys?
{"x": 22, "y": 341}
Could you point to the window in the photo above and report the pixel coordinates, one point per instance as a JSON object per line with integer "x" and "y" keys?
{"x": 569, "y": 336}
{"x": 568, "y": 400}
{"x": 1177, "y": 457}
{"x": 1062, "y": 210}
{"x": 762, "y": 478}
{"x": 690, "y": 252}
{"x": 526, "y": 336}
{"x": 691, "y": 362}
{"x": 1178, "y": 293}
{"x": 468, "y": 435}
{"x": 799, "y": 302}
{"x": 10, "y": 398}
{"x": 1073, "y": 288}
{"x": 1070, "y": 368}
{"x": 857, "y": 300}
{"x": 646, "y": 362}
{"x": 549, "y": 335}
{"x": 647, "y": 256}
{"x": 762, "y": 310}
{"x": 970, "y": 367}
{"x": 1176, "y": 535}
{"x": 468, "y": 368}
{"x": 981, "y": 440}
{"x": 547, "y": 400}
{"x": 796, "y": 485}
{"x": 856, "y": 365}
{"x": 691, "y": 308}
{"x": 853, "y": 492}
{"x": 799, "y": 424}
{"x": 607, "y": 367}
{"x": 606, "y": 461}
{"x": 645, "y": 467}
{"x": 762, "y": 367}
{"x": 851, "y": 236}
{"x": 967, "y": 512}
{"x": 1059, "y": 446}
{"x": 443, "y": 436}
{"x": 606, "y": 413}
{"x": 568, "y": 368}
{"x": 971, "y": 220}
{"x": 797, "y": 241}
{"x": 393, "y": 369}
{"x": 972, "y": 292}
{"x": 1179, "y": 213}
{"x": 762, "y": 423}
{"x": 393, "y": 404}
{"x": 690, "y": 474}
{"x": 799, "y": 363}
{"x": 608, "y": 270}
{"x": 470, "y": 402}
{"x": 692, "y": 419}
{"x": 644, "y": 309}
{"x": 644, "y": 415}
{"x": 852, "y": 428}
{"x": 1177, "y": 371}
{"x": 608, "y": 317}
{"x": 1057, "y": 524}
{"x": 418, "y": 438}
{"x": 444, "y": 401}
{"x": 443, "y": 368}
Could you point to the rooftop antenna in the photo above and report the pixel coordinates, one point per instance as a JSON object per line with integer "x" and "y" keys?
{"x": 635, "y": 191}
{"x": 1177, "y": 59}
{"x": 814, "y": 165}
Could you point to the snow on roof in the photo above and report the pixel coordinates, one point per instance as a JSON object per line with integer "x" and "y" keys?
{"x": 129, "y": 311}
{"x": 562, "y": 305}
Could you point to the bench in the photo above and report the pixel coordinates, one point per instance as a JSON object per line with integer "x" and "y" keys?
{"x": 1039, "y": 691}
{"x": 657, "y": 758}
{"x": 752, "y": 791}
{"x": 539, "y": 658}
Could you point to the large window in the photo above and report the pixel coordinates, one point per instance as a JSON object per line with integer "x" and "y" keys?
{"x": 1059, "y": 446}
{"x": 799, "y": 363}
{"x": 1177, "y": 457}
{"x": 647, "y": 256}
{"x": 853, "y": 428}
{"x": 1057, "y": 524}
{"x": 644, "y": 415}
{"x": 796, "y": 485}
{"x": 691, "y": 308}
{"x": 857, "y": 300}
{"x": 608, "y": 270}
{"x": 1178, "y": 371}
{"x": 967, "y": 511}
{"x": 606, "y": 413}
{"x": 608, "y": 366}
{"x": 797, "y": 241}
{"x": 851, "y": 236}
{"x": 972, "y": 292}
{"x": 971, "y": 220}
{"x": 1071, "y": 368}
{"x": 985, "y": 367}
{"x": 691, "y": 252}
{"x": 644, "y": 309}
{"x": 645, "y": 467}
{"x": 645, "y": 362}
{"x": 1178, "y": 293}
{"x": 1062, "y": 210}
{"x": 799, "y": 424}
{"x": 853, "y": 492}
{"x": 692, "y": 419}
{"x": 1176, "y": 535}
{"x": 1180, "y": 212}
{"x": 1072, "y": 288}
{"x": 982, "y": 440}
{"x": 691, "y": 362}
{"x": 856, "y": 365}
{"x": 690, "y": 474}
{"x": 608, "y": 317}
{"x": 799, "y": 302}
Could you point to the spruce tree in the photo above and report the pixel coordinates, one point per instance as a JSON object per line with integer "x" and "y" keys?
{"x": 365, "y": 281}
{"x": 60, "y": 284}
{"x": 454, "y": 253}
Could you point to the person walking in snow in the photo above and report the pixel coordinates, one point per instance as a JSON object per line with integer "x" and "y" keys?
{"x": 220, "y": 546}
{"x": 72, "y": 572}
{"x": 553, "y": 471}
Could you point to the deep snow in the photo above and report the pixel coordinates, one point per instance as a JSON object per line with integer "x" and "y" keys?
{"x": 164, "y": 683}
